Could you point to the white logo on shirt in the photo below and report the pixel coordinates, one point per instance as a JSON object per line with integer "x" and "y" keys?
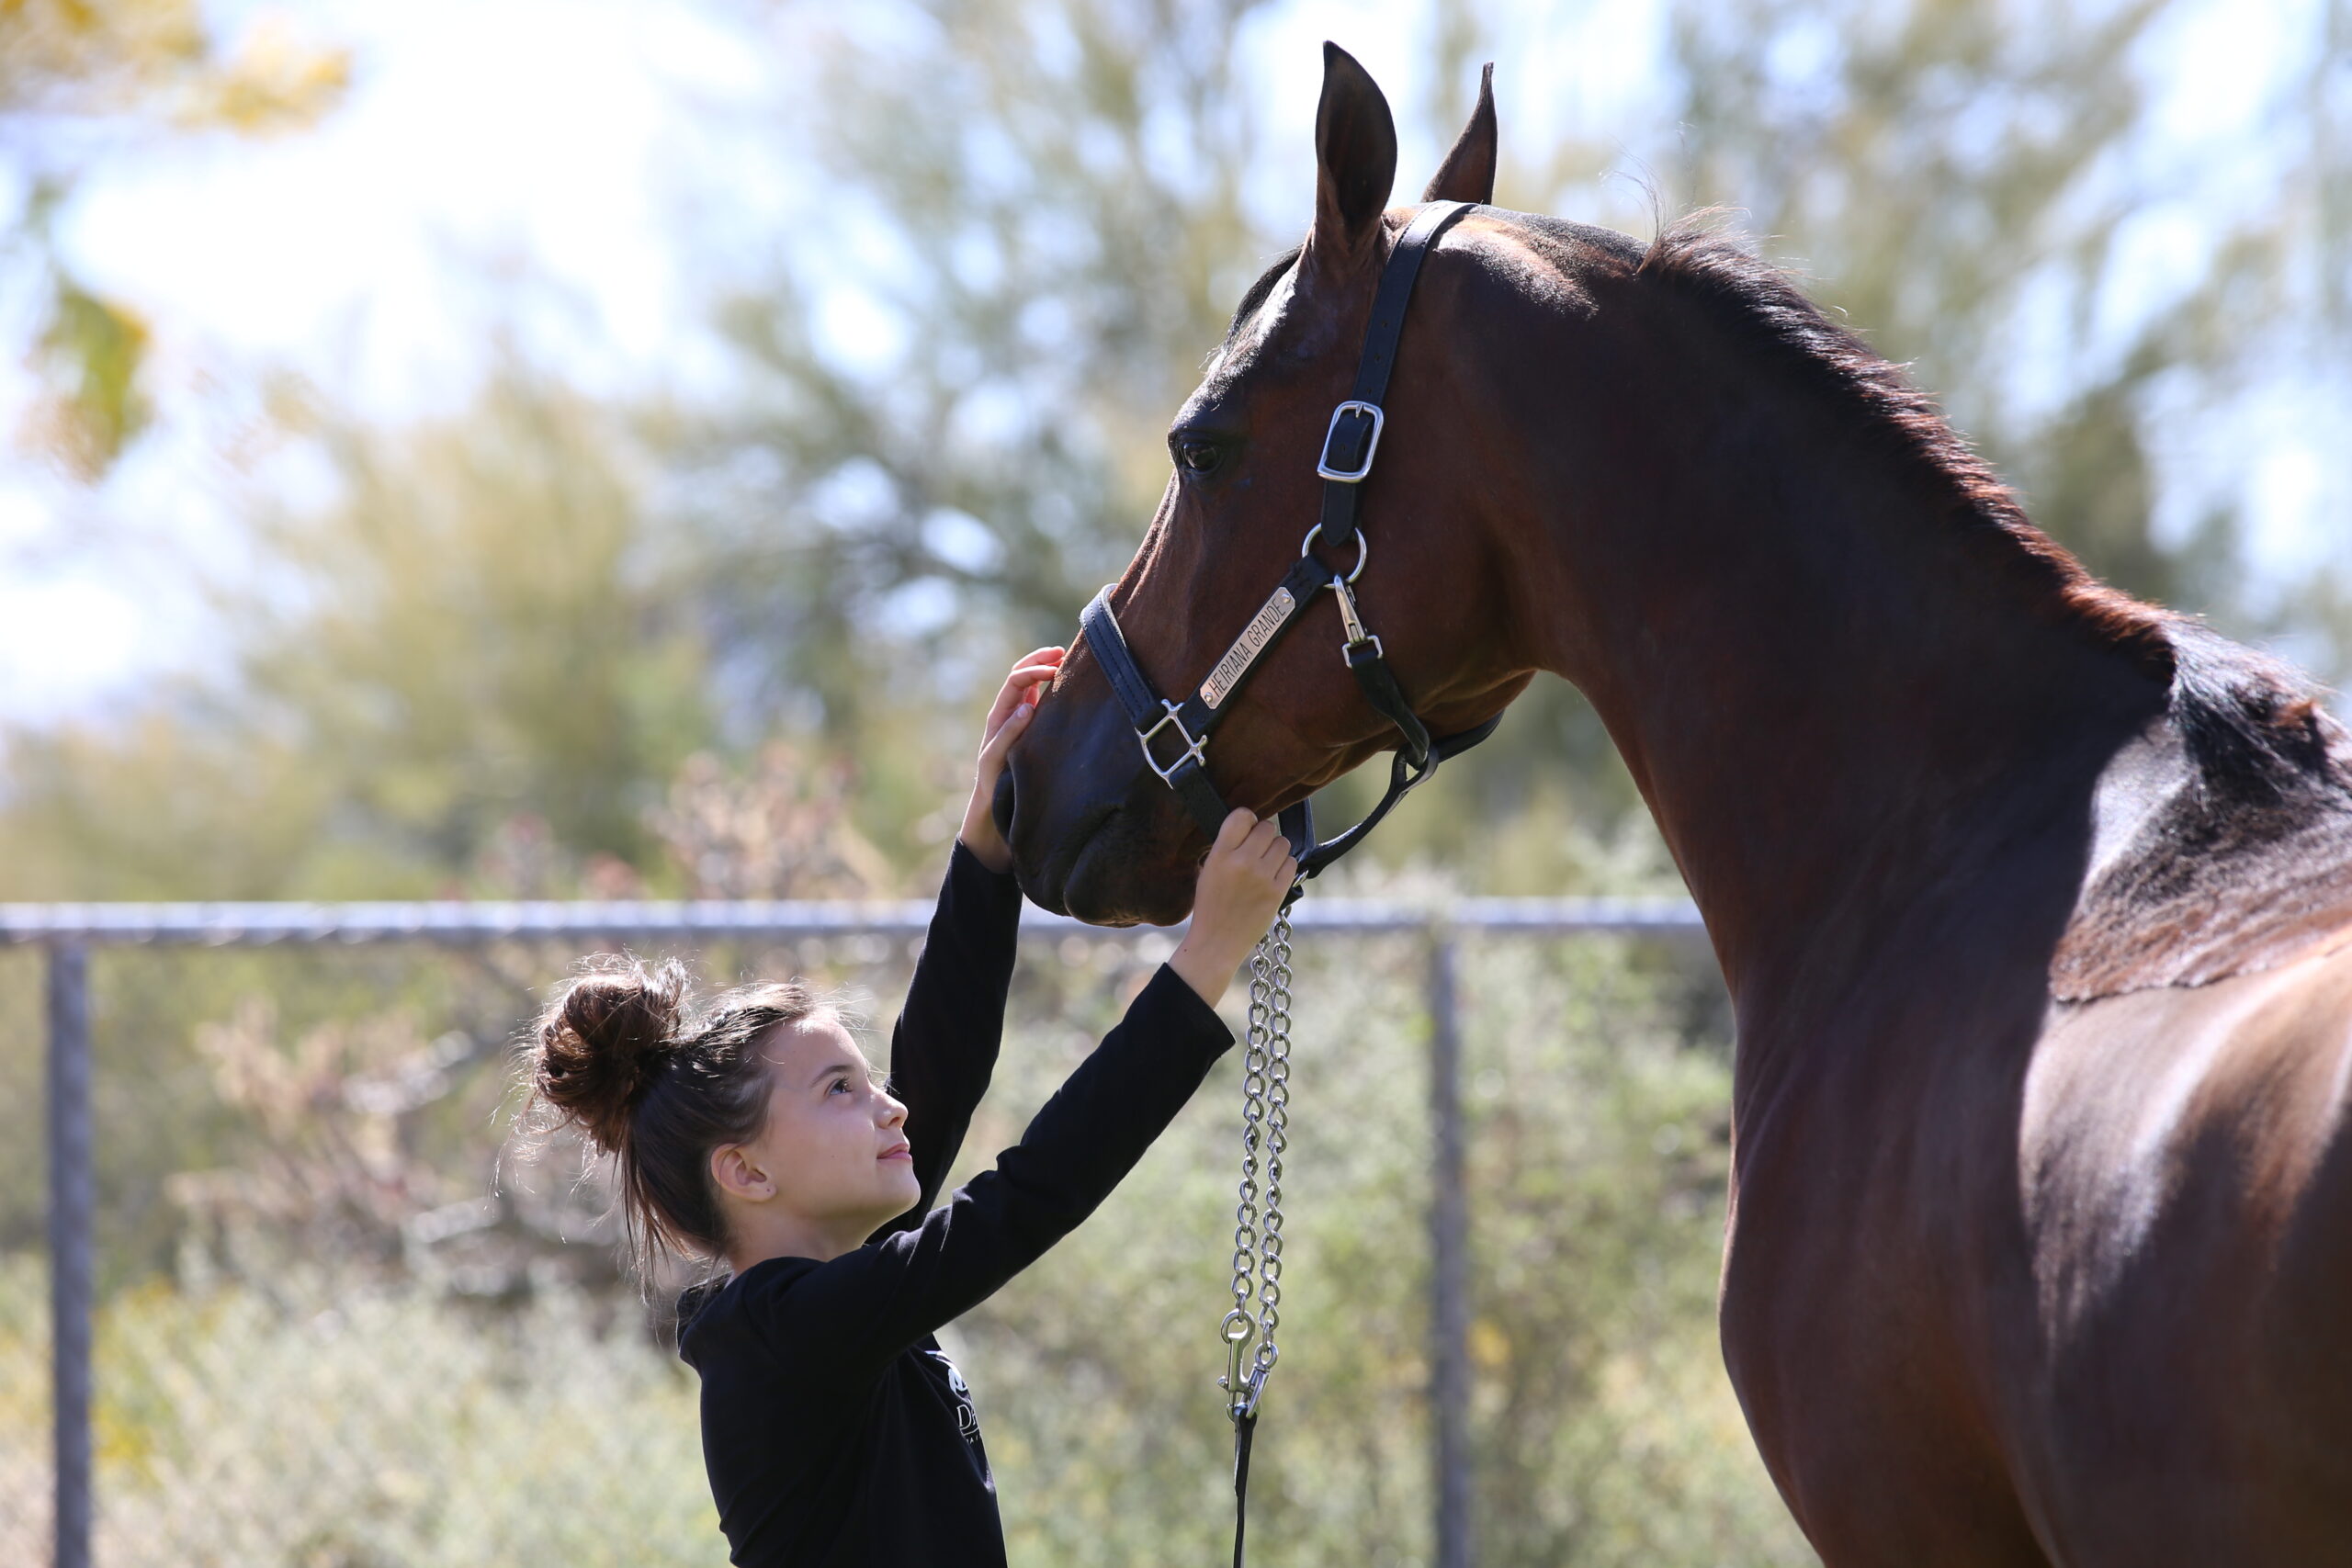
{"x": 968, "y": 1420}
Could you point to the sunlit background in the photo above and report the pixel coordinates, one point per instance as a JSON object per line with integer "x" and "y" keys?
{"x": 578, "y": 448}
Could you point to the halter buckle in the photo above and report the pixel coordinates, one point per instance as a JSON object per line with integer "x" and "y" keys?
{"x": 1196, "y": 747}
{"x": 1332, "y": 464}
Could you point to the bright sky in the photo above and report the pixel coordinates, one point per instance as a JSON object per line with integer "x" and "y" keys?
{"x": 542, "y": 154}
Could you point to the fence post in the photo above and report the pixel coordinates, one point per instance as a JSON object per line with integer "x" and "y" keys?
{"x": 71, "y": 1213}
{"x": 1450, "y": 1266}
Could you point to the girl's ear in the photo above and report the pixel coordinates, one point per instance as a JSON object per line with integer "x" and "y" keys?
{"x": 735, "y": 1173}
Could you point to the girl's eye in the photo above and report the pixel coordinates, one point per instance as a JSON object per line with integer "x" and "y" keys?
{"x": 1198, "y": 456}
{"x": 841, "y": 1086}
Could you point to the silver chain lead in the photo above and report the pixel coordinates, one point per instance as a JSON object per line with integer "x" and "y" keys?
{"x": 1258, "y": 1217}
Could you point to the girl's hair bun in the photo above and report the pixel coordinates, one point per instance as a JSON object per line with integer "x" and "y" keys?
{"x": 603, "y": 1042}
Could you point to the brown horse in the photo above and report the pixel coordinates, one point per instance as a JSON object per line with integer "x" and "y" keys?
{"x": 2034, "y": 901}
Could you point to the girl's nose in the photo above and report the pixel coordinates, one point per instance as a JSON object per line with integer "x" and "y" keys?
{"x": 894, "y": 1111}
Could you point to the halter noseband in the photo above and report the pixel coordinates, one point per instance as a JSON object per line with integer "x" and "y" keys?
{"x": 1182, "y": 730}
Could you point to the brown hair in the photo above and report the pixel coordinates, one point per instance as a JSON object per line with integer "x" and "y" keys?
{"x": 618, "y": 1056}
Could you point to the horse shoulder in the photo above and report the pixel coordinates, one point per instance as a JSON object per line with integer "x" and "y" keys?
{"x": 2185, "y": 1166}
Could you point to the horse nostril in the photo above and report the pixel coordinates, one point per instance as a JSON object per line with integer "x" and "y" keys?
{"x": 1000, "y": 804}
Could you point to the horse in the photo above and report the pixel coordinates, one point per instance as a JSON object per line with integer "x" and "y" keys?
{"x": 2033, "y": 901}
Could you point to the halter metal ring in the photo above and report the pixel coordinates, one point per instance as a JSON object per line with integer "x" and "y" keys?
{"x": 1196, "y": 747}
{"x": 1363, "y": 550}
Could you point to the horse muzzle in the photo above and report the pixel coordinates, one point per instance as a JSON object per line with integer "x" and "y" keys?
{"x": 1092, "y": 834}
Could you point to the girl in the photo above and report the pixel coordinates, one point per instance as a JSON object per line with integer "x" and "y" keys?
{"x": 834, "y": 1429}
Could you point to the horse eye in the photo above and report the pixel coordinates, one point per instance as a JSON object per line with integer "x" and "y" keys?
{"x": 1198, "y": 456}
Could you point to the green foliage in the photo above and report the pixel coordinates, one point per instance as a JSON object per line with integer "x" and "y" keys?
{"x": 170, "y": 1125}
{"x": 310, "y": 1423}
{"x": 469, "y": 670}
{"x": 479, "y": 629}
{"x": 164, "y": 806}
{"x": 163, "y": 60}
{"x": 1050, "y": 197}
{"x": 24, "y": 1171}
{"x": 89, "y": 353}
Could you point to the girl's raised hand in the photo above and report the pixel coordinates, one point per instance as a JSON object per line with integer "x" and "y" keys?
{"x": 1016, "y": 701}
{"x": 1243, "y": 881}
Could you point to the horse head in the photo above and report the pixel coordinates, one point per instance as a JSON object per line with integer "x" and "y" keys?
{"x": 1094, "y": 830}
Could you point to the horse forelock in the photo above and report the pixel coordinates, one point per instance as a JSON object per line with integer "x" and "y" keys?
{"x": 1258, "y": 290}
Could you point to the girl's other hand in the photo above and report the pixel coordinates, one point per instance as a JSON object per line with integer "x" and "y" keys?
{"x": 1016, "y": 701}
{"x": 1248, "y": 871}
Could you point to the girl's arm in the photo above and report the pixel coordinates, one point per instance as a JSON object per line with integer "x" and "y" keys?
{"x": 866, "y": 1306}
{"x": 945, "y": 1044}
{"x": 843, "y": 1318}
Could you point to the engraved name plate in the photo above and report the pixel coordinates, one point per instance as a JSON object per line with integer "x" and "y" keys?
{"x": 1247, "y": 647}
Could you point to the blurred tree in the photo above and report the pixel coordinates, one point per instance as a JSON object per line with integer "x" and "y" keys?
{"x": 479, "y": 627}
{"x": 166, "y": 805}
{"x": 71, "y": 71}
{"x": 472, "y": 668}
{"x": 1033, "y": 230}
{"x": 780, "y": 829}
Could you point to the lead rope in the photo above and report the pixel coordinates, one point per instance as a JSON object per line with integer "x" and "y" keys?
{"x": 1258, "y": 1228}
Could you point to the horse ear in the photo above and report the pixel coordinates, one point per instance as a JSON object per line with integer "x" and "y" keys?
{"x": 1468, "y": 172}
{"x": 1355, "y": 155}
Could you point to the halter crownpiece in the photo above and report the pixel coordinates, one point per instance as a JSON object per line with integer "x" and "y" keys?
{"x": 1174, "y": 735}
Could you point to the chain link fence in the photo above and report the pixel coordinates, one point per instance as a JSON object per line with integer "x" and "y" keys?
{"x": 336, "y": 1316}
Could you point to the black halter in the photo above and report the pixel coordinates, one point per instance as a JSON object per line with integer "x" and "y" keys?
{"x": 1348, "y": 447}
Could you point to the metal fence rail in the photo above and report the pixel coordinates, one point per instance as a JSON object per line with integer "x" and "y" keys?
{"x": 69, "y": 930}
{"x": 774, "y": 919}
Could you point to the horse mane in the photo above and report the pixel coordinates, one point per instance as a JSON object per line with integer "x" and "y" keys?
{"x": 1762, "y": 306}
{"x": 2253, "y": 724}
{"x": 2249, "y": 860}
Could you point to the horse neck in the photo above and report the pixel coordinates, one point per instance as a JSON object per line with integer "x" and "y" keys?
{"x": 1868, "y": 728}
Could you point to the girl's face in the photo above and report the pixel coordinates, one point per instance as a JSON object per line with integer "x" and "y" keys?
{"x": 834, "y": 1150}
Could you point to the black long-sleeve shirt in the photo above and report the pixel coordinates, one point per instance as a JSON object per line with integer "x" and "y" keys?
{"x": 835, "y": 1430}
